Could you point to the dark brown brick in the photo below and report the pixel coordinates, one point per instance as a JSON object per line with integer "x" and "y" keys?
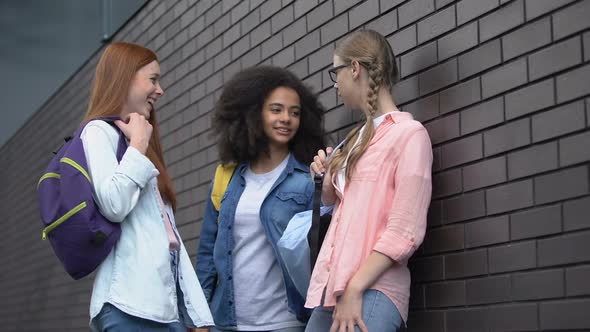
{"x": 443, "y": 239}
{"x": 533, "y": 160}
{"x": 364, "y": 12}
{"x": 513, "y": 257}
{"x": 511, "y": 196}
{"x": 530, "y": 99}
{"x": 294, "y": 31}
{"x": 567, "y": 314}
{"x": 572, "y": 19}
{"x": 482, "y": 116}
{"x": 576, "y": 280}
{"x": 334, "y": 28}
{"x": 538, "y": 285}
{"x": 573, "y": 84}
{"x": 507, "y": 137}
{"x": 559, "y": 121}
{"x": 319, "y": 15}
{"x": 526, "y": 39}
{"x": 501, "y": 20}
{"x": 341, "y": 6}
{"x": 434, "y": 217}
{"x": 460, "y": 95}
{"x": 466, "y": 206}
{"x": 417, "y": 299}
{"x": 425, "y": 321}
{"x": 555, "y": 58}
{"x": 466, "y": 264}
{"x": 414, "y": 10}
{"x": 418, "y": 59}
{"x": 403, "y": 40}
{"x": 445, "y": 294}
{"x": 423, "y": 109}
{"x": 462, "y": 151}
{"x": 443, "y": 129}
{"x": 468, "y": 10}
{"x": 269, "y": 8}
{"x": 535, "y": 223}
{"x": 427, "y": 268}
{"x": 575, "y": 214}
{"x": 508, "y": 76}
{"x": 535, "y": 8}
{"x": 438, "y": 77}
{"x": 457, "y": 41}
{"x": 488, "y": 290}
{"x": 307, "y": 44}
{"x": 514, "y": 317}
{"x": 303, "y": 6}
{"x": 446, "y": 183}
{"x": 560, "y": 185}
{"x": 487, "y": 231}
{"x": 322, "y": 58}
{"x": 385, "y": 24}
{"x": 406, "y": 90}
{"x": 465, "y": 320}
{"x": 436, "y": 24}
{"x": 480, "y": 59}
{"x": 494, "y": 170}
{"x": 564, "y": 249}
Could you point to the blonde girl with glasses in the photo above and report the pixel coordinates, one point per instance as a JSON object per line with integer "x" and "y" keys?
{"x": 380, "y": 183}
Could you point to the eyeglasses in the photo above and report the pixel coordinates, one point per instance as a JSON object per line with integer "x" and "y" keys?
{"x": 334, "y": 72}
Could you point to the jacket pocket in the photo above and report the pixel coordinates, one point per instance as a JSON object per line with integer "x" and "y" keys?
{"x": 296, "y": 197}
{"x": 285, "y": 206}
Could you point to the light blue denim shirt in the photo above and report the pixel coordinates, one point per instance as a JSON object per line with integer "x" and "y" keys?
{"x": 136, "y": 276}
{"x": 290, "y": 194}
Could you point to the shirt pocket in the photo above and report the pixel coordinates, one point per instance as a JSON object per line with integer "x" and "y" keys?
{"x": 369, "y": 166}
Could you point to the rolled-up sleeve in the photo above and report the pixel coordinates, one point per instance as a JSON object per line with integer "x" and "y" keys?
{"x": 406, "y": 223}
{"x": 117, "y": 186}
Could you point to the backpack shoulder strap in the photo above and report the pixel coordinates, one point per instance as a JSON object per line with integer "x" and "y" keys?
{"x": 223, "y": 174}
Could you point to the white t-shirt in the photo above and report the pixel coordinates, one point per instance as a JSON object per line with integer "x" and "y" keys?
{"x": 259, "y": 290}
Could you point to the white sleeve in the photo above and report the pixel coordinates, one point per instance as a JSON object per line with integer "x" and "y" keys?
{"x": 116, "y": 186}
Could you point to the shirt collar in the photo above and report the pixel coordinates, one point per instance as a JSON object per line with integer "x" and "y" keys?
{"x": 398, "y": 117}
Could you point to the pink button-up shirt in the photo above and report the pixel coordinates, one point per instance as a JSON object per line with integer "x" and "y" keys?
{"x": 383, "y": 208}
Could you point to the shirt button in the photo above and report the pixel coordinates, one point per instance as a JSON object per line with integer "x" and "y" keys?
{"x": 230, "y": 303}
{"x": 229, "y": 278}
{"x": 188, "y": 302}
{"x": 229, "y": 252}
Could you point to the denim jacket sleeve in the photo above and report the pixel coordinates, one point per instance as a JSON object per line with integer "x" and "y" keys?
{"x": 117, "y": 186}
{"x": 205, "y": 266}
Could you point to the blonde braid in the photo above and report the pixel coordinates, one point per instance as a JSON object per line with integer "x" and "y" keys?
{"x": 375, "y": 81}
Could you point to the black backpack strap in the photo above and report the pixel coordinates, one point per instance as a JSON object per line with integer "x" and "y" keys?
{"x": 314, "y": 236}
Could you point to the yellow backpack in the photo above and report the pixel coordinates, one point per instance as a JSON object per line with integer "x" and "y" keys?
{"x": 223, "y": 174}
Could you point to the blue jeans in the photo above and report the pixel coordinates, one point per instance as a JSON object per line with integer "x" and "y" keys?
{"x": 288, "y": 329}
{"x": 379, "y": 315}
{"x": 111, "y": 319}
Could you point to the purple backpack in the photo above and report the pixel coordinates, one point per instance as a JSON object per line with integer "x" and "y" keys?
{"x": 80, "y": 236}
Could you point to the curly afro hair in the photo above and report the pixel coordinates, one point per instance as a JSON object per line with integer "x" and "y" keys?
{"x": 237, "y": 119}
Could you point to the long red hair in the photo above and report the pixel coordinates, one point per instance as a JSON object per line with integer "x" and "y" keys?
{"x": 113, "y": 77}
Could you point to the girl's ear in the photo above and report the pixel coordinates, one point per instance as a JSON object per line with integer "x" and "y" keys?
{"x": 355, "y": 69}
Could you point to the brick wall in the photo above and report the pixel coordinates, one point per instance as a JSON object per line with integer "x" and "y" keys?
{"x": 501, "y": 86}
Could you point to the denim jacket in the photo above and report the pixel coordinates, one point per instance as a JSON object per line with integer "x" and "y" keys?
{"x": 290, "y": 194}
